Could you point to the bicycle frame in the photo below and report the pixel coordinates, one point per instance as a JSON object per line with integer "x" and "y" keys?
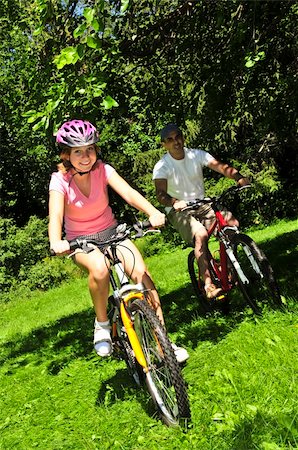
{"x": 225, "y": 253}
{"x": 222, "y": 271}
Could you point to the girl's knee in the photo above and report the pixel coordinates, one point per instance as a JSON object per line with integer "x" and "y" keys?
{"x": 98, "y": 274}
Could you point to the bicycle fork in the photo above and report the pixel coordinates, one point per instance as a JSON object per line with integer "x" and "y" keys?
{"x": 236, "y": 265}
{"x": 129, "y": 327}
{"x": 127, "y": 293}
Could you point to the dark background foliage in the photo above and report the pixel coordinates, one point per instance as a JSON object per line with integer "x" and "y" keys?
{"x": 226, "y": 72}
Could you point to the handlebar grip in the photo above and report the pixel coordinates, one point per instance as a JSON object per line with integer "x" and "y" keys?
{"x": 143, "y": 225}
{"x": 73, "y": 245}
{"x": 146, "y": 224}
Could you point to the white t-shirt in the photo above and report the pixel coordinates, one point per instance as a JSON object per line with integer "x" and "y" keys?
{"x": 184, "y": 176}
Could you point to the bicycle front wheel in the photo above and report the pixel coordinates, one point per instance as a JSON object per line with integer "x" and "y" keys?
{"x": 255, "y": 275}
{"x": 164, "y": 379}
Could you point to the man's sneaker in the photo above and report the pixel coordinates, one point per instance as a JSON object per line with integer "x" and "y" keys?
{"x": 102, "y": 338}
{"x": 180, "y": 353}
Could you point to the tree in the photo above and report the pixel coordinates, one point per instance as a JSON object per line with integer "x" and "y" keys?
{"x": 225, "y": 71}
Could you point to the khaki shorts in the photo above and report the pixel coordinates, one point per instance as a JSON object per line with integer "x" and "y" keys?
{"x": 187, "y": 223}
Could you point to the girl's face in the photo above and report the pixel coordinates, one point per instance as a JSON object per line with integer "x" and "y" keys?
{"x": 83, "y": 158}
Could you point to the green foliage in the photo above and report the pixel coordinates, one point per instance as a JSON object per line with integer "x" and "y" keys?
{"x": 44, "y": 275}
{"x": 225, "y": 71}
{"x": 160, "y": 243}
{"x": 20, "y": 247}
{"x": 25, "y": 264}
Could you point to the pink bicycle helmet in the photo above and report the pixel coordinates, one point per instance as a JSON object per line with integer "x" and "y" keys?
{"x": 77, "y": 133}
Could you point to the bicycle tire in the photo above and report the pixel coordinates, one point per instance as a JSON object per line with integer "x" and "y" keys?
{"x": 261, "y": 286}
{"x": 122, "y": 349}
{"x": 163, "y": 379}
{"x": 133, "y": 367}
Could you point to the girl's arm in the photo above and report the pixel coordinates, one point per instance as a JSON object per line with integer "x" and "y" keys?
{"x": 56, "y": 214}
{"x": 135, "y": 199}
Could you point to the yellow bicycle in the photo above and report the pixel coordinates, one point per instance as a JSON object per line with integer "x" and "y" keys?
{"x": 138, "y": 337}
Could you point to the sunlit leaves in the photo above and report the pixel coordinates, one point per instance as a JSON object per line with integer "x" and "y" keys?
{"x": 79, "y": 30}
{"x": 69, "y": 55}
{"x": 97, "y": 25}
{"x": 252, "y": 59}
{"x": 93, "y": 41}
{"x": 109, "y": 102}
{"x": 89, "y": 14}
{"x": 42, "y": 118}
{"x": 124, "y": 5}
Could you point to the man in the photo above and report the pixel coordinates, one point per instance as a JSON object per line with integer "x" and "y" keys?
{"x": 178, "y": 178}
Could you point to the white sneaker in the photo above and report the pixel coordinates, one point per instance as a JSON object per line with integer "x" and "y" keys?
{"x": 180, "y": 353}
{"x": 102, "y": 338}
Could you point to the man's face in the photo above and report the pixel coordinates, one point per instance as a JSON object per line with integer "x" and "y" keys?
{"x": 174, "y": 142}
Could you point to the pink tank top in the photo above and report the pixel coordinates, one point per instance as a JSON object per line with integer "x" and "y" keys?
{"x": 85, "y": 215}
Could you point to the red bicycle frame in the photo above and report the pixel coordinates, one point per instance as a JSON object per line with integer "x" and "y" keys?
{"x": 221, "y": 268}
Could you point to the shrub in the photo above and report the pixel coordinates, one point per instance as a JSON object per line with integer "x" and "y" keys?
{"x": 25, "y": 261}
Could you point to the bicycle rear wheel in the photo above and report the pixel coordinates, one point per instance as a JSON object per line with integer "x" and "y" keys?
{"x": 255, "y": 278}
{"x": 164, "y": 380}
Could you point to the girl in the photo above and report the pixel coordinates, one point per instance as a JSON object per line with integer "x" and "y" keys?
{"x": 78, "y": 199}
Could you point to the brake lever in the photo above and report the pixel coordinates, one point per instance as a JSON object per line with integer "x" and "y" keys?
{"x": 141, "y": 232}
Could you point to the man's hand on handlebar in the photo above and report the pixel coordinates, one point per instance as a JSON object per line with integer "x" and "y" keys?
{"x": 243, "y": 182}
{"x": 179, "y": 204}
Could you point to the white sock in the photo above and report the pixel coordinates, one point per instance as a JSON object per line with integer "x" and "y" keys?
{"x": 103, "y": 324}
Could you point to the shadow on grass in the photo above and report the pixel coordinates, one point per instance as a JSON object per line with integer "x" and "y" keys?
{"x": 282, "y": 253}
{"x": 282, "y": 429}
{"x": 121, "y": 387}
{"x": 183, "y": 317}
{"x": 56, "y": 344}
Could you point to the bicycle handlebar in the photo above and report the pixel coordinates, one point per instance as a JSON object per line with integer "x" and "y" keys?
{"x": 195, "y": 204}
{"x": 123, "y": 231}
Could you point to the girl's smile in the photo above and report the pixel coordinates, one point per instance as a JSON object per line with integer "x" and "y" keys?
{"x": 83, "y": 158}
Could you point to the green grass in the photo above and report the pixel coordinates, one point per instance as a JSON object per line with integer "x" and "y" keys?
{"x": 242, "y": 373}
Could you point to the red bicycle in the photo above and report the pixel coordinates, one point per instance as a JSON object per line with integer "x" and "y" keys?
{"x": 237, "y": 262}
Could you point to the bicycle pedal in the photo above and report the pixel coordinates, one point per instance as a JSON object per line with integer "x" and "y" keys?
{"x": 221, "y": 297}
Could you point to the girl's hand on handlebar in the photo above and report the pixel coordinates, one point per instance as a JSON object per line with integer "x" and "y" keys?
{"x": 60, "y": 247}
{"x": 179, "y": 204}
{"x": 157, "y": 219}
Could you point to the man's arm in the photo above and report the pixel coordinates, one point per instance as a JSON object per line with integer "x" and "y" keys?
{"x": 161, "y": 186}
{"x": 229, "y": 172}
